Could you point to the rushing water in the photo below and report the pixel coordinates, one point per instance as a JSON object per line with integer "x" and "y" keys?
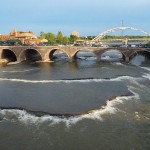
{"x": 81, "y": 105}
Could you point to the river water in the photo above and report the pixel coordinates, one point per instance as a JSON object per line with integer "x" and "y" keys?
{"x": 81, "y": 105}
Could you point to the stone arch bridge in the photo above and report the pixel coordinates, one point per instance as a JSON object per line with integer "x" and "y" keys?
{"x": 45, "y": 53}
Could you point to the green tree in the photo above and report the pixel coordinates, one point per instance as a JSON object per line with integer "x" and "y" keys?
{"x": 73, "y": 38}
{"x": 51, "y": 38}
{"x": 42, "y": 35}
{"x": 60, "y": 38}
{"x": 65, "y": 40}
{"x": 1, "y": 41}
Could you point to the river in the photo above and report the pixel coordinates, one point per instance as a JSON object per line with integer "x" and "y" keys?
{"x": 81, "y": 105}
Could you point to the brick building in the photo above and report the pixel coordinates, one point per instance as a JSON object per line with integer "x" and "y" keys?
{"x": 22, "y": 36}
{"x": 4, "y": 37}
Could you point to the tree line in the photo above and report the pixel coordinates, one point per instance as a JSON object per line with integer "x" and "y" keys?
{"x": 58, "y": 39}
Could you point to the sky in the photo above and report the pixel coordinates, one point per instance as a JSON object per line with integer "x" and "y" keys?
{"x": 88, "y": 17}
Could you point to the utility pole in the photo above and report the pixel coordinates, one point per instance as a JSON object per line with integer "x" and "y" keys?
{"x": 125, "y": 41}
{"x": 122, "y": 23}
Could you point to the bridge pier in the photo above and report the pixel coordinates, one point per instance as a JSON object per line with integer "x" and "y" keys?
{"x": 98, "y": 58}
{"x": 127, "y": 59}
{"x": 71, "y": 59}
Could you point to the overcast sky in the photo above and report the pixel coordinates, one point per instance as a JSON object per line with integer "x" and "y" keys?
{"x": 88, "y": 17}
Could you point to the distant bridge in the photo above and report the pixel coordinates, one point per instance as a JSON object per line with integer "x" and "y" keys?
{"x": 129, "y": 39}
{"x": 46, "y": 53}
{"x": 103, "y": 34}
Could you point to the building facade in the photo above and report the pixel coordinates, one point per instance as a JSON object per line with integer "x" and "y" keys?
{"x": 4, "y": 37}
{"x": 75, "y": 33}
{"x": 22, "y": 36}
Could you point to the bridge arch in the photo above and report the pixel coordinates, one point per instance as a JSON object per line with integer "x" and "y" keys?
{"x": 112, "y": 55}
{"x": 50, "y": 54}
{"x": 9, "y": 55}
{"x": 103, "y": 34}
{"x": 140, "y": 58}
{"x": 142, "y": 52}
{"x": 30, "y": 54}
{"x": 84, "y": 53}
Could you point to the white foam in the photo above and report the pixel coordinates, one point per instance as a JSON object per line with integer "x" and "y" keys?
{"x": 18, "y": 71}
{"x": 28, "y": 81}
{"x": 23, "y": 116}
{"x": 135, "y": 95}
{"x": 146, "y": 75}
{"x": 118, "y": 63}
{"x": 137, "y": 116}
{"x": 122, "y": 78}
{"x": 146, "y": 68}
{"x": 131, "y": 80}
